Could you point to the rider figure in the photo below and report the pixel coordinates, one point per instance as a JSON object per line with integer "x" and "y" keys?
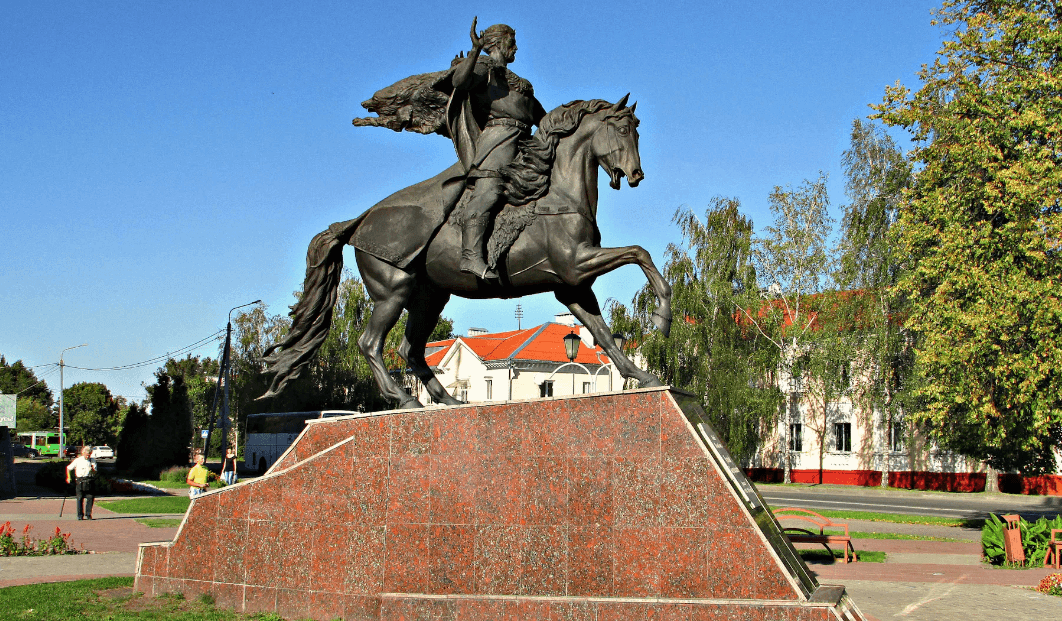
{"x": 508, "y": 104}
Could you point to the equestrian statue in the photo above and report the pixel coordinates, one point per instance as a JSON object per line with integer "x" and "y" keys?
{"x": 514, "y": 216}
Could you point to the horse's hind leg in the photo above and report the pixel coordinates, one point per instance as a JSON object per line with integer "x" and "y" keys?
{"x": 390, "y": 289}
{"x": 582, "y": 302}
{"x": 425, "y": 306}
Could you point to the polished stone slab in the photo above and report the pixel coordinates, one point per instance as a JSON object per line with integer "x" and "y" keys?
{"x": 593, "y": 507}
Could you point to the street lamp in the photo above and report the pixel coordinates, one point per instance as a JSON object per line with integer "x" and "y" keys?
{"x": 62, "y": 436}
{"x": 571, "y": 349}
{"x": 223, "y": 376}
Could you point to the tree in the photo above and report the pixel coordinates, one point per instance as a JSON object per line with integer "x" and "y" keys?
{"x": 33, "y": 405}
{"x": 33, "y": 415}
{"x": 200, "y": 377}
{"x": 90, "y": 412}
{"x": 19, "y": 379}
{"x": 711, "y": 352}
{"x": 876, "y": 175}
{"x": 793, "y": 261}
{"x": 983, "y": 229}
{"x": 338, "y": 377}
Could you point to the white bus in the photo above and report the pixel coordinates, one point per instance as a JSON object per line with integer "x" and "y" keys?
{"x": 269, "y": 435}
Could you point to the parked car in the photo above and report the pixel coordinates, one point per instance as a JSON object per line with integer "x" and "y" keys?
{"x": 21, "y": 450}
{"x": 102, "y": 452}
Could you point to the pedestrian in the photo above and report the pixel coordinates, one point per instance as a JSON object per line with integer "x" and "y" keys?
{"x": 197, "y": 477}
{"x": 228, "y": 467}
{"x": 85, "y": 475}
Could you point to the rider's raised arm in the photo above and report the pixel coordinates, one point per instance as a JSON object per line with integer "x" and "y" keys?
{"x": 465, "y": 72}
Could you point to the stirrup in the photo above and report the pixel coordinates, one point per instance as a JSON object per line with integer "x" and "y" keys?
{"x": 486, "y": 274}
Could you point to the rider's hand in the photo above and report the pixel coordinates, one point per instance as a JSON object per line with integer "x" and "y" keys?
{"x": 476, "y": 43}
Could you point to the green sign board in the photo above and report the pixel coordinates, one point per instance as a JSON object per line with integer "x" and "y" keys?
{"x": 7, "y": 411}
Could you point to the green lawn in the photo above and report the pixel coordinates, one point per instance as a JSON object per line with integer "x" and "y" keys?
{"x": 160, "y": 522}
{"x": 861, "y": 535}
{"x": 151, "y": 504}
{"x": 167, "y": 484}
{"x": 820, "y": 555}
{"x": 898, "y": 518}
{"x": 107, "y": 599}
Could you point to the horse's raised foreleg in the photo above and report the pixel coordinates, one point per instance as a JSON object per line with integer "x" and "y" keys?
{"x": 390, "y": 289}
{"x": 425, "y": 306}
{"x": 590, "y": 262}
{"x": 582, "y": 302}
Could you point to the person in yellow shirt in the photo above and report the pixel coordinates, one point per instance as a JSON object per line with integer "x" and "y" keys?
{"x": 197, "y": 477}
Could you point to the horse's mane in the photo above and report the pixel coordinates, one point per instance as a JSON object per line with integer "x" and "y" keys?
{"x": 527, "y": 178}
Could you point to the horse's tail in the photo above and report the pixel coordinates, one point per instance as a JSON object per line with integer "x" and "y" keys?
{"x": 311, "y": 317}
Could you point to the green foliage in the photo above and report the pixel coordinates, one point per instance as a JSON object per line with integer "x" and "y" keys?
{"x": 1034, "y": 539}
{"x": 710, "y": 352}
{"x": 150, "y": 443}
{"x": 876, "y": 176}
{"x": 91, "y": 414}
{"x": 25, "y": 545}
{"x": 176, "y": 474}
{"x": 982, "y": 231}
{"x": 337, "y": 377}
{"x": 17, "y": 377}
{"x": 32, "y": 415}
{"x": 52, "y": 475}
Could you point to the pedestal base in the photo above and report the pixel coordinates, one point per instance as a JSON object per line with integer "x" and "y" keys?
{"x": 606, "y": 506}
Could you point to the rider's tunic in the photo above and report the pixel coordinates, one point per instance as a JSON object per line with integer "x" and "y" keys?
{"x": 510, "y": 108}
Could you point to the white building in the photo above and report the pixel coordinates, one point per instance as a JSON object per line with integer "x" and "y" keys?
{"x": 520, "y": 364}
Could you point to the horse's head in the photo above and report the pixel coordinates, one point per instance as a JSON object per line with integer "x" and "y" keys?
{"x": 616, "y": 144}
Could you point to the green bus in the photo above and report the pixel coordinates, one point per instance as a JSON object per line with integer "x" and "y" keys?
{"x": 44, "y": 442}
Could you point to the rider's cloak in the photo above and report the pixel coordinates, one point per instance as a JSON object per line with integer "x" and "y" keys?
{"x": 398, "y": 228}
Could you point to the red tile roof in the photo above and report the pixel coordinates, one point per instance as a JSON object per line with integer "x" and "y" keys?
{"x": 541, "y": 343}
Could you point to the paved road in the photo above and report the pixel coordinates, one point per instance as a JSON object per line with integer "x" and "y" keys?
{"x": 847, "y": 498}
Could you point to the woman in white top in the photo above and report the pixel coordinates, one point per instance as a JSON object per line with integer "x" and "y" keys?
{"x": 84, "y": 468}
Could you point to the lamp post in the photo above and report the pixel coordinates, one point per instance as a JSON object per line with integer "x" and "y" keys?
{"x": 223, "y": 376}
{"x": 62, "y": 436}
{"x": 571, "y": 349}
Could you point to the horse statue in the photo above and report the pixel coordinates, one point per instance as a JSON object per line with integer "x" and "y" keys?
{"x": 408, "y": 249}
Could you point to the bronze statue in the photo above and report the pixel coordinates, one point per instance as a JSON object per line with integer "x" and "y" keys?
{"x": 544, "y": 237}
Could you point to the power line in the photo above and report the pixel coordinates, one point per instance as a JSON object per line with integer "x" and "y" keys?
{"x": 41, "y": 381}
{"x": 217, "y": 336}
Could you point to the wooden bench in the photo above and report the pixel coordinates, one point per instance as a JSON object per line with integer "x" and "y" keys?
{"x": 1054, "y": 548}
{"x": 798, "y": 534}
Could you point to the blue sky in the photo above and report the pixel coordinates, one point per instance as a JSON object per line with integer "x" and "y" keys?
{"x": 164, "y": 162}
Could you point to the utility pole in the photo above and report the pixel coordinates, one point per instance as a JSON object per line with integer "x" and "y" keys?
{"x": 519, "y": 315}
{"x": 224, "y": 374}
{"x": 62, "y": 435}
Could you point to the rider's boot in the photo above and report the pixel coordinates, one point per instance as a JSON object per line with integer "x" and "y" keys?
{"x": 472, "y": 261}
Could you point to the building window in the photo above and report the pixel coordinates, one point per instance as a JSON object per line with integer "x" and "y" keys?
{"x": 490, "y": 390}
{"x": 896, "y": 436}
{"x": 586, "y": 388}
{"x": 796, "y": 437}
{"x": 546, "y": 389}
{"x": 843, "y": 434}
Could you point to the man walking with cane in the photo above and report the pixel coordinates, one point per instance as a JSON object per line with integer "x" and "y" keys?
{"x": 85, "y": 474}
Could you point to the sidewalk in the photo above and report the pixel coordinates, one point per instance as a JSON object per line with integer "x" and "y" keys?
{"x": 113, "y": 538}
{"x": 931, "y": 580}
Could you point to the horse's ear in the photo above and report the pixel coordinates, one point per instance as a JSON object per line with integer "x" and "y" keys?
{"x": 633, "y": 106}
{"x": 621, "y": 104}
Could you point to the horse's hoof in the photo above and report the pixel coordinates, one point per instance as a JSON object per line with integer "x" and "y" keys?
{"x": 410, "y": 403}
{"x": 650, "y": 382}
{"x": 662, "y": 323}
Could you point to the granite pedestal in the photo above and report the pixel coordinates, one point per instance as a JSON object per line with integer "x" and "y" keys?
{"x": 598, "y": 507}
